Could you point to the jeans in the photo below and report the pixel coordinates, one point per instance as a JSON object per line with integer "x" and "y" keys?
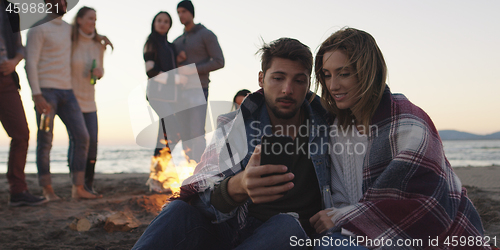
{"x": 183, "y": 226}
{"x": 189, "y": 126}
{"x": 13, "y": 119}
{"x": 92, "y": 128}
{"x": 65, "y": 105}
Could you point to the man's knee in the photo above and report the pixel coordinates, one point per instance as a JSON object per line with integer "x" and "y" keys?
{"x": 290, "y": 222}
{"x": 22, "y": 135}
{"x": 287, "y": 218}
{"x": 177, "y": 205}
{"x": 179, "y": 208}
{"x": 82, "y": 138}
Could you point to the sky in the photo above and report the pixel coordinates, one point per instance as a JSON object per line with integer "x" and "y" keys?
{"x": 443, "y": 55}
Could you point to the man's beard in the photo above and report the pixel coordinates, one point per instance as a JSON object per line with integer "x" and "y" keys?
{"x": 283, "y": 115}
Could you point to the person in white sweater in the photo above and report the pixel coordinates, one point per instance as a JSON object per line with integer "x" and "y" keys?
{"x": 48, "y": 57}
{"x": 87, "y": 66}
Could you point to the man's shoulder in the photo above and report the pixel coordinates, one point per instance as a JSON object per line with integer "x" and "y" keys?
{"x": 45, "y": 24}
{"x": 176, "y": 40}
{"x": 38, "y": 25}
{"x": 203, "y": 30}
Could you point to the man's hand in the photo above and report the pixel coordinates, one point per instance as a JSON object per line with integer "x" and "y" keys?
{"x": 249, "y": 182}
{"x": 181, "y": 57}
{"x": 106, "y": 41}
{"x": 7, "y": 67}
{"x": 41, "y": 105}
{"x": 321, "y": 221}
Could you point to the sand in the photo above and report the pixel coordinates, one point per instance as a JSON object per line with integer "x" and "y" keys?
{"x": 47, "y": 226}
{"x": 483, "y": 188}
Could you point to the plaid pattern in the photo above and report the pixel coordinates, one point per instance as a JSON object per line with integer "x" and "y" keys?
{"x": 410, "y": 190}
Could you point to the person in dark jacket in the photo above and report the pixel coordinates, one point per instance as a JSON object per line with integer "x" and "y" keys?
{"x": 160, "y": 57}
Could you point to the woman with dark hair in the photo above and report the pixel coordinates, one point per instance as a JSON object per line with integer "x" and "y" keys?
{"x": 86, "y": 68}
{"x": 159, "y": 53}
{"x": 239, "y": 97}
{"x": 390, "y": 177}
{"x": 160, "y": 57}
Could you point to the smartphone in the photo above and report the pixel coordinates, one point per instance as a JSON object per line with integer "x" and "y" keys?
{"x": 277, "y": 150}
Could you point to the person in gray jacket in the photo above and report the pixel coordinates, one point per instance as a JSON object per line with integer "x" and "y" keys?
{"x": 196, "y": 45}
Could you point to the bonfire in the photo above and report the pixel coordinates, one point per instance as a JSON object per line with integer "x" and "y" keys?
{"x": 166, "y": 175}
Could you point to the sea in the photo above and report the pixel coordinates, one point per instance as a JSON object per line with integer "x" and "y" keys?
{"x": 135, "y": 159}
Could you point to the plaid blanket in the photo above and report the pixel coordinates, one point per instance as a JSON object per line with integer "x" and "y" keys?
{"x": 410, "y": 190}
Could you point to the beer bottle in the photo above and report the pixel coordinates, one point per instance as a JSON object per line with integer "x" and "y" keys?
{"x": 93, "y": 79}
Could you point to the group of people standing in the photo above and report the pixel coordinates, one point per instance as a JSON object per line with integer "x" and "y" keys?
{"x": 63, "y": 62}
{"x": 196, "y": 45}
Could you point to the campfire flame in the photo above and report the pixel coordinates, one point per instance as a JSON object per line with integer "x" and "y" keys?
{"x": 167, "y": 177}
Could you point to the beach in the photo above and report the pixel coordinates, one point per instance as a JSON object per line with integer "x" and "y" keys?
{"x": 49, "y": 226}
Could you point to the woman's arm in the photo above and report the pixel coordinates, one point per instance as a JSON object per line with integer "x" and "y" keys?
{"x": 149, "y": 59}
{"x": 99, "y": 70}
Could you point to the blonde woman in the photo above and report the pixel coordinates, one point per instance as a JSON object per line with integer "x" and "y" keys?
{"x": 86, "y": 69}
{"x": 390, "y": 177}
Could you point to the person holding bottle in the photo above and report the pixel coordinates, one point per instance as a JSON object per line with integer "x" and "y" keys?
{"x": 48, "y": 67}
{"x": 86, "y": 68}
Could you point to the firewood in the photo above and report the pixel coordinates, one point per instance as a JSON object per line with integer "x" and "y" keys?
{"x": 80, "y": 225}
{"x": 121, "y": 221}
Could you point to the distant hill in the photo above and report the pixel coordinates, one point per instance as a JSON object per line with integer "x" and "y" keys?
{"x": 495, "y": 135}
{"x": 458, "y": 135}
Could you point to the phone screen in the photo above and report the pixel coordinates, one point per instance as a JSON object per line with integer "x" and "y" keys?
{"x": 277, "y": 150}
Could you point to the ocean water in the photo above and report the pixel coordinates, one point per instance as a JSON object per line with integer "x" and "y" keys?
{"x": 477, "y": 153}
{"x": 110, "y": 159}
{"x": 135, "y": 159}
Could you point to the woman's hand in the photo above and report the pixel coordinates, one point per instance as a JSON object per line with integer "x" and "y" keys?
{"x": 322, "y": 221}
{"x": 98, "y": 72}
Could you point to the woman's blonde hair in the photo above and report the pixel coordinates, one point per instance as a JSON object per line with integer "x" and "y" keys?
{"x": 370, "y": 70}
{"x": 75, "y": 27}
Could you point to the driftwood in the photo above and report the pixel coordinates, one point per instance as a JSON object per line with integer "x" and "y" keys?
{"x": 121, "y": 221}
{"x": 88, "y": 221}
{"x": 80, "y": 225}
